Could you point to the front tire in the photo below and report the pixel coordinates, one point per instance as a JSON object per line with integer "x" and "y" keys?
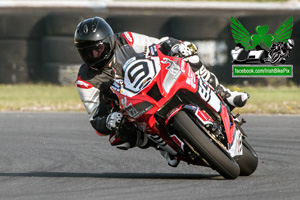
{"x": 191, "y": 134}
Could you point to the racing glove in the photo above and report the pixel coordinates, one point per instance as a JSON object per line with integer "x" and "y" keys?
{"x": 184, "y": 49}
{"x": 113, "y": 120}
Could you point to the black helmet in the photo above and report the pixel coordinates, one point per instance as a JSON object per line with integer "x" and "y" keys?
{"x": 94, "y": 41}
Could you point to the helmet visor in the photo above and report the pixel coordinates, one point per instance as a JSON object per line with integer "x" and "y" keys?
{"x": 94, "y": 54}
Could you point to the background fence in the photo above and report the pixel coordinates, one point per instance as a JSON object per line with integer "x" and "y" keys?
{"x": 36, "y": 40}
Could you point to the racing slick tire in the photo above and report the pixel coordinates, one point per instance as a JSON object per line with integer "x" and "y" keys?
{"x": 192, "y": 135}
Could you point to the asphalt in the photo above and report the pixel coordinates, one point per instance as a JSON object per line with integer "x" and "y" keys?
{"x": 58, "y": 156}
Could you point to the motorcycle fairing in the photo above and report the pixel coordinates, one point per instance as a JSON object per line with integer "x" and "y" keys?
{"x": 234, "y": 136}
{"x": 208, "y": 96}
{"x": 141, "y": 106}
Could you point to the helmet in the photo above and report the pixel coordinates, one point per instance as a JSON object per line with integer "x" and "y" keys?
{"x": 290, "y": 43}
{"x": 94, "y": 41}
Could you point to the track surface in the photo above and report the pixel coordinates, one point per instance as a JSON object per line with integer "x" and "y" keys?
{"x": 58, "y": 156}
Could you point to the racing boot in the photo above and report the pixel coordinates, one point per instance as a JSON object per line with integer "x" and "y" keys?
{"x": 173, "y": 162}
{"x": 232, "y": 99}
{"x": 128, "y": 137}
{"x": 126, "y": 140}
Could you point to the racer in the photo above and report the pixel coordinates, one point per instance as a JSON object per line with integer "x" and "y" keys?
{"x": 280, "y": 51}
{"x": 104, "y": 54}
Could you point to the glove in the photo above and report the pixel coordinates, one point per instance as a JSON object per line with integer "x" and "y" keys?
{"x": 184, "y": 49}
{"x": 113, "y": 120}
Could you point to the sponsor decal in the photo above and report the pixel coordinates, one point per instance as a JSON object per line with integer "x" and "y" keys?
{"x": 137, "y": 110}
{"x": 177, "y": 141}
{"x": 153, "y": 51}
{"x": 128, "y": 62}
{"x": 172, "y": 75}
{"x": 128, "y": 37}
{"x": 83, "y": 84}
{"x": 191, "y": 80}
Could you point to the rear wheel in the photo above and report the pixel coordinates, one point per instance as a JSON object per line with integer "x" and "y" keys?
{"x": 248, "y": 161}
{"x": 192, "y": 135}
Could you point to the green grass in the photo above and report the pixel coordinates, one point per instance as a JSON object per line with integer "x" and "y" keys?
{"x": 39, "y": 97}
{"x": 271, "y": 100}
{"x": 42, "y": 97}
{"x": 214, "y": 0}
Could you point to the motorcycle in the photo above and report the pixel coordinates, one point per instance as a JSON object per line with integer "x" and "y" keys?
{"x": 183, "y": 114}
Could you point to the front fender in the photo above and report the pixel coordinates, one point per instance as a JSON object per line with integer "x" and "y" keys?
{"x": 200, "y": 114}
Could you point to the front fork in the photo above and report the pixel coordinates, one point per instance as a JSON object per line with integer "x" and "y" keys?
{"x": 234, "y": 135}
{"x": 226, "y": 135}
{"x": 215, "y": 131}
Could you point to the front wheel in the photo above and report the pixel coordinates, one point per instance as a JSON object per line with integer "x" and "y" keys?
{"x": 192, "y": 135}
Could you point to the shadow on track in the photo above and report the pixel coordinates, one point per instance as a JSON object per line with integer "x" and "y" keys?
{"x": 114, "y": 175}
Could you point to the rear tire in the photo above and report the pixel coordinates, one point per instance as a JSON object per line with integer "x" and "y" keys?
{"x": 248, "y": 161}
{"x": 187, "y": 130}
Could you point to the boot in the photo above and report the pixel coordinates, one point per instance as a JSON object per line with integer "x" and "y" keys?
{"x": 129, "y": 136}
{"x": 232, "y": 99}
{"x": 173, "y": 162}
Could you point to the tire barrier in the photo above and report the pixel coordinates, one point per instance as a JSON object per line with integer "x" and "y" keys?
{"x": 20, "y": 34}
{"x": 65, "y": 23}
{"x": 195, "y": 27}
{"x": 19, "y": 56}
{"x": 59, "y": 50}
{"x": 14, "y": 72}
{"x": 60, "y": 60}
{"x": 19, "y": 49}
{"x": 21, "y": 25}
{"x": 58, "y": 73}
{"x": 152, "y": 25}
{"x": 34, "y": 43}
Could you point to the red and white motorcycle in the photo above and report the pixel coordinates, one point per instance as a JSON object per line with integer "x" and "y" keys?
{"x": 183, "y": 115}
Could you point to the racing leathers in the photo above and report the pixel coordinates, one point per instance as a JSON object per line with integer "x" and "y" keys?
{"x": 94, "y": 85}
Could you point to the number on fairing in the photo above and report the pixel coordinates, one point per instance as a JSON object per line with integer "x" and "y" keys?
{"x": 204, "y": 90}
{"x": 138, "y": 75}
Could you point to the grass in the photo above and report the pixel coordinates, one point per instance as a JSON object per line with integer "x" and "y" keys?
{"x": 39, "y": 97}
{"x": 218, "y": 0}
{"x": 271, "y": 100}
{"x": 45, "y": 97}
